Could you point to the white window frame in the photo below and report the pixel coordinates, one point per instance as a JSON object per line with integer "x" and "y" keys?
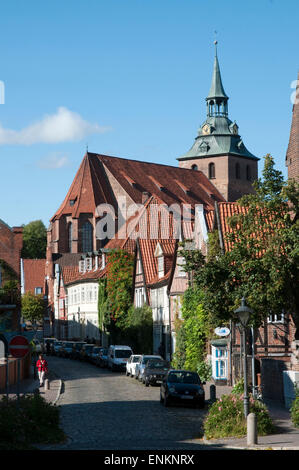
{"x": 274, "y": 318}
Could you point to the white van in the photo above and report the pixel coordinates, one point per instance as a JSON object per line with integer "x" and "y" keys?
{"x": 118, "y": 356}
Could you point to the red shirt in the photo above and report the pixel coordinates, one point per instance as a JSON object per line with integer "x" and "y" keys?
{"x": 42, "y": 365}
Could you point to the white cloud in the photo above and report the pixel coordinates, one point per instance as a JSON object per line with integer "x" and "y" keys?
{"x": 63, "y": 126}
{"x": 54, "y": 161}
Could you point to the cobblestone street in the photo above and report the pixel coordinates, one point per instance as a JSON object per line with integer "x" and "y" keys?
{"x": 107, "y": 410}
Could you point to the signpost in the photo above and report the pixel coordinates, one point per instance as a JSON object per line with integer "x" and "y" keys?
{"x": 18, "y": 348}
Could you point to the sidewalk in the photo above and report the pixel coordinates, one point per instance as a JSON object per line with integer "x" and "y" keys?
{"x": 28, "y": 386}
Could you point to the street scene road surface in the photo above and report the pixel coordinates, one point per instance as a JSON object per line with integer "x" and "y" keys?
{"x": 103, "y": 410}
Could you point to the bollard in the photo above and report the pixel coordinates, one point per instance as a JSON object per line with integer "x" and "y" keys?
{"x": 251, "y": 429}
{"x": 212, "y": 393}
{"x": 46, "y": 385}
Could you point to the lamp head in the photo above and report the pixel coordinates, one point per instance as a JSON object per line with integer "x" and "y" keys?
{"x": 243, "y": 313}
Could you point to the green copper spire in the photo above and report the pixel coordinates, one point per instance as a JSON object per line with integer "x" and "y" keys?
{"x": 216, "y": 90}
{"x": 217, "y": 135}
{"x": 217, "y": 98}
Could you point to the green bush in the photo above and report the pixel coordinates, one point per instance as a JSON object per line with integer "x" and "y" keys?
{"x": 31, "y": 420}
{"x": 226, "y": 418}
{"x": 204, "y": 370}
{"x": 295, "y": 409}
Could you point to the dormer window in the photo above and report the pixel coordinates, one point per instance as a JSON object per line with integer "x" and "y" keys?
{"x": 73, "y": 201}
{"x": 161, "y": 266}
{"x": 88, "y": 264}
{"x": 160, "y": 260}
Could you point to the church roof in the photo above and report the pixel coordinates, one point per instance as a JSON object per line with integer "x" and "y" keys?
{"x": 173, "y": 185}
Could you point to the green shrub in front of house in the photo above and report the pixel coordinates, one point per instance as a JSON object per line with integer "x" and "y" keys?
{"x": 226, "y": 418}
{"x": 29, "y": 421}
{"x": 294, "y": 410}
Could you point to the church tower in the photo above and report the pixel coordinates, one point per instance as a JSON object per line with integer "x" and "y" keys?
{"x": 218, "y": 150}
{"x": 292, "y": 156}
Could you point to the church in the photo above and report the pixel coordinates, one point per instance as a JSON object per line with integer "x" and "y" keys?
{"x": 217, "y": 169}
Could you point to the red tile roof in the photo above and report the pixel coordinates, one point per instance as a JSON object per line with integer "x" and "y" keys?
{"x": 175, "y": 185}
{"x": 34, "y": 274}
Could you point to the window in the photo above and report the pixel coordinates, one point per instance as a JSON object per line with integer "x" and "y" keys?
{"x": 88, "y": 264}
{"x": 38, "y": 290}
{"x": 86, "y": 237}
{"x": 194, "y": 167}
{"x": 181, "y": 263}
{"x": 212, "y": 173}
{"x": 70, "y": 236}
{"x": 238, "y": 172}
{"x": 161, "y": 266}
{"x": 277, "y": 318}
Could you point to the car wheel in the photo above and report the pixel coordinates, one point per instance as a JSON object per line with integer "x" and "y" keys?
{"x": 166, "y": 401}
{"x": 161, "y": 399}
{"x": 146, "y": 383}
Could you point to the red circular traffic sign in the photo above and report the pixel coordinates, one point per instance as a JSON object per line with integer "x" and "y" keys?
{"x": 18, "y": 346}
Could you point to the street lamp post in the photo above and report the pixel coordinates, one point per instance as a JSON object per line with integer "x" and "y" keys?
{"x": 243, "y": 313}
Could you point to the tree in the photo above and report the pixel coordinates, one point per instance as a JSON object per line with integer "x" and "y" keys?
{"x": 34, "y": 240}
{"x": 262, "y": 261}
{"x": 32, "y": 307}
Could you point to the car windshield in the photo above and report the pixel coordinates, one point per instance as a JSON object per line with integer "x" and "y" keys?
{"x": 88, "y": 348}
{"x": 104, "y": 352}
{"x": 96, "y": 350}
{"x": 123, "y": 353}
{"x": 149, "y": 358}
{"x": 135, "y": 358}
{"x": 184, "y": 377}
{"x": 158, "y": 365}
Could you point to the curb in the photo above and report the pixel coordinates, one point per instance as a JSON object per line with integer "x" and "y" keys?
{"x": 226, "y": 445}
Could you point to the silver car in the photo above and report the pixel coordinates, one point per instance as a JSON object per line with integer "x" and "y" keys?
{"x": 140, "y": 366}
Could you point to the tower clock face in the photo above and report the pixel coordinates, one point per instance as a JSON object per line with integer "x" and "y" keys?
{"x": 206, "y": 129}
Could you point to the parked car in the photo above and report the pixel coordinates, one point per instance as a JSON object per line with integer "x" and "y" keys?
{"x": 66, "y": 349}
{"x": 131, "y": 364}
{"x": 118, "y": 356}
{"x": 95, "y": 354}
{"x": 75, "y": 354}
{"x": 102, "y": 357}
{"x": 140, "y": 366}
{"x": 85, "y": 352}
{"x": 155, "y": 371}
{"x": 56, "y": 347}
{"x": 51, "y": 342}
{"x": 182, "y": 386}
{"x": 37, "y": 345}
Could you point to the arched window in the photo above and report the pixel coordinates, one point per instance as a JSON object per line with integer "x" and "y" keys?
{"x": 86, "y": 237}
{"x": 212, "y": 173}
{"x": 238, "y": 173}
{"x": 248, "y": 173}
{"x": 194, "y": 167}
{"x": 70, "y": 236}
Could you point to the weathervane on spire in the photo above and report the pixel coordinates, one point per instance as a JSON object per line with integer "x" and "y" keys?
{"x": 215, "y": 42}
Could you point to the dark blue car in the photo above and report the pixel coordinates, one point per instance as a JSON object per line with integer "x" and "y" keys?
{"x": 182, "y": 386}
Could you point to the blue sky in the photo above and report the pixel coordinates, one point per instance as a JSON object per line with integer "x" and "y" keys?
{"x": 129, "y": 78}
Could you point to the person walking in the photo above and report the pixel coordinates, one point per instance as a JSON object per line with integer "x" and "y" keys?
{"x": 42, "y": 367}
